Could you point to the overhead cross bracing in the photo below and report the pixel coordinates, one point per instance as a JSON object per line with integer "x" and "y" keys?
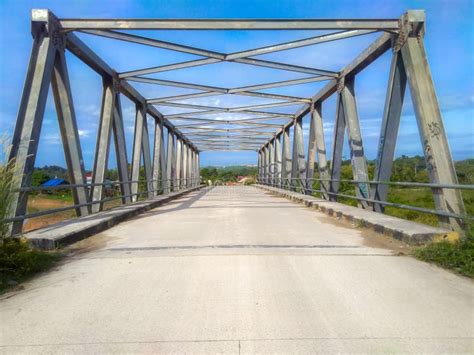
{"x": 217, "y": 119}
{"x": 193, "y": 113}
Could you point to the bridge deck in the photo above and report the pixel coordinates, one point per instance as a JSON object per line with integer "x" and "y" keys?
{"x": 237, "y": 270}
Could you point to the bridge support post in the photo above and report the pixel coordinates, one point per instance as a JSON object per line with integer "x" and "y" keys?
{"x": 174, "y": 165}
{"x": 198, "y": 169}
{"x": 69, "y": 133}
{"x": 30, "y": 114}
{"x": 265, "y": 164}
{"x": 286, "y": 163}
{"x": 389, "y": 129}
{"x": 358, "y": 161}
{"x": 337, "y": 147}
{"x": 141, "y": 145}
{"x": 317, "y": 148}
{"x": 190, "y": 172}
{"x": 190, "y": 167}
{"x": 169, "y": 161}
{"x": 158, "y": 158}
{"x": 147, "y": 158}
{"x": 103, "y": 144}
{"x": 277, "y": 153}
{"x": 430, "y": 124}
{"x": 298, "y": 167}
{"x": 317, "y": 121}
{"x": 179, "y": 159}
{"x": 271, "y": 170}
{"x": 121, "y": 150}
{"x": 259, "y": 166}
{"x": 184, "y": 174}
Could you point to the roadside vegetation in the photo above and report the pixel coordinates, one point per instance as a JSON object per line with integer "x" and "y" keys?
{"x": 408, "y": 169}
{"x": 18, "y": 259}
{"x": 229, "y": 174}
{"x": 457, "y": 256}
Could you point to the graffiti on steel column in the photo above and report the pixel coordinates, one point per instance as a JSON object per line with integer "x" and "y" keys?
{"x": 430, "y": 163}
{"x": 381, "y": 144}
{"x": 364, "y": 190}
{"x": 435, "y": 129}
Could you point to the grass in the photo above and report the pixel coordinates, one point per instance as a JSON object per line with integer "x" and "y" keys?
{"x": 19, "y": 261}
{"x": 419, "y": 197}
{"x": 457, "y": 256}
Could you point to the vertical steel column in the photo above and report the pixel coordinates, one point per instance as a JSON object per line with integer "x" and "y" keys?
{"x": 179, "y": 160}
{"x": 195, "y": 168}
{"x": 267, "y": 164}
{"x": 30, "y": 115}
{"x": 169, "y": 161}
{"x": 311, "y": 149}
{"x": 389, "y": 129}
{"x": 190, "y": 167}
{"x": 158, "y": 154}
{"x": 121, "y": 148}
{"x": 337, "y": 148}
{"x": 69, "y": 133}
{"x": 174, "y": 163}
{"x": 298, "y": 168}
{"x": 184, "y": 170}
{"x": 271, "y": 170}
{"x": 259, "y": 166}
{"x": 321, "y": 149}
{"x": 198, "y": 168}
{"x": 103, "y": 143}
{"x": 430, "y": 124}
{"x": 277, "y": 150}
{"x": 286, "y": 163}
{"x": 138, "y": 147}
{"x": 147, "y": 157}
{"x": 358, "y": 161}
{"x": 163, "y": 162}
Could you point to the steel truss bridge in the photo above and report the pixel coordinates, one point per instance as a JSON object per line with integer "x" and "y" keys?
{"x": 253, "y": 127}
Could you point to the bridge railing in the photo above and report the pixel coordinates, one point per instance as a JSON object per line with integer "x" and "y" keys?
{"x": 175, "y": 185}
{"x": 328, "y": 191}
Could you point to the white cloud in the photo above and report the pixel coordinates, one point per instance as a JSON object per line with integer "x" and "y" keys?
{"x": 83, "y": 133}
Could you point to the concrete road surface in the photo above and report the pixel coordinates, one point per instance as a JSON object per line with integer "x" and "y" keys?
{"x": 235, "y": 270}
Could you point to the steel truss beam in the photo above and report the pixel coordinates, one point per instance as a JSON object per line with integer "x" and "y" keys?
{"x": 410, "y": 57}
{"x": 389, "y": 129}
{"x": 215, "y": 89}
{"x": 239, "y": 57}
{"x": 438, "y": 157}
{"x": 85, "y": 54}
{"x": 230, "y": 24}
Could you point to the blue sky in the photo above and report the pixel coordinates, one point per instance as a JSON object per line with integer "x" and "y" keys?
{"x": 449, "y": 43}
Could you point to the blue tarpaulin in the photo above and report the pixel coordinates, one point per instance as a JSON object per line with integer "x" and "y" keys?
{"x": 55, "y": 182}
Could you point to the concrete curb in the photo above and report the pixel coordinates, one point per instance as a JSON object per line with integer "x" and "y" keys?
{"x": 74, "y": 230}
{"x": 407, "y": 231}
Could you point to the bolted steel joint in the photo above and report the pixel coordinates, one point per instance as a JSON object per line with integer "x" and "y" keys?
{"x": 58, "y": 38}
{"x": 411, "y": 24}
{"x": 44, "y": 23}
{"x": 341, "y": 83}
{"x": 115, "y": 83}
